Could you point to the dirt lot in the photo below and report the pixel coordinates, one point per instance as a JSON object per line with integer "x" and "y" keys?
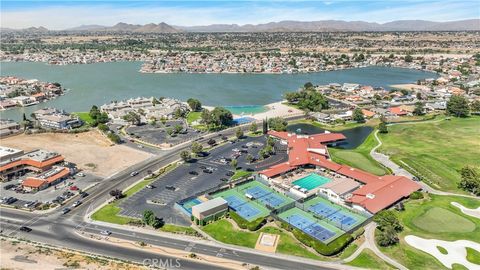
{"x": 17, "y": 255}
{"x": 91, "y": 151}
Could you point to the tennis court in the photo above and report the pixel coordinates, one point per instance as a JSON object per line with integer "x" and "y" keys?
{"x": 337, "y": 215}
{"x": 311, "y": 181}
{"x": 264, "y": 194}
{"x": 248, "y": 210}
{"x": 191, "y": 203}
{"x": 312, "y": 226}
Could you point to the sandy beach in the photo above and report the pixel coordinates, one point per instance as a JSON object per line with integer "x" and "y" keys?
{"x": 276, "y": 109}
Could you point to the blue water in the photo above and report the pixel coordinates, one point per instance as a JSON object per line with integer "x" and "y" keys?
{"x": 104, "y": 82}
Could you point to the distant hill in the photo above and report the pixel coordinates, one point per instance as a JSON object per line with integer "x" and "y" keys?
{"x": 336, "y": 25}
{"x": 282, "y": 26}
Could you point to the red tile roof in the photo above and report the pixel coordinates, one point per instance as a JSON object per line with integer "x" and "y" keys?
{"x": 357, "y": 174}
{"x": 398, "y": 111}
{"x": 277, "y": 169}
{"x": 381, "y": 194}
{"x": 33, "y": 163}
{"x": 33, "y": 183}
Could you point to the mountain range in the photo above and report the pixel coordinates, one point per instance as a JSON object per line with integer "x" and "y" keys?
{"x": 282, "y": 26}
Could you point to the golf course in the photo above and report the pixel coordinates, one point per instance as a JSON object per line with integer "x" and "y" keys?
{"x": 435, "y": 150}
{"x": 433, "y": 217}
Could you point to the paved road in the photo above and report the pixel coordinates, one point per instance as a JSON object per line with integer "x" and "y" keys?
{"x": 59, "y": 230}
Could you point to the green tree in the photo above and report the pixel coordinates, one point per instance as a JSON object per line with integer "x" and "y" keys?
{"x": 178, "y": 128}
{"x": 196, "y": 148}
{"x": 408, "y": 58}
{"x": 419, "y": 108}
{"x": 179, "y": 113}
{"x": 253, "y": 127}
{"x": 387, "y": 237}
{"x": 458, "y": 106}
{"x": 94, "y": 112}
{"x": 239, "y": 133}
{"x": 308, "y": 85}
{"x": 387, "y": 218}
{"x": 194, "y": 104}
{"x": 249, "y": 158}
{"x": 470, "y": 180}
{"x": 102, "y": 118}
{"x": 475, "y": 106}
{"x": 277, "y": 124}
{"x": 185, "y": 155}
{"x": 234, "y": 164}
{"x": 147, "y": 215}
{"x": 132, "y": 118}
{"x": 382, "y": 127}
{"x": 170, "y": 131}
{"x": 358, "y": 115}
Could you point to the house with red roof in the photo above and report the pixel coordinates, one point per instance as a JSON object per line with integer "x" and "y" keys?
{"x": 398, "y": 111}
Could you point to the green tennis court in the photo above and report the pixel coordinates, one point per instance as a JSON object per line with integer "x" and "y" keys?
{"x": 311, "y": 181}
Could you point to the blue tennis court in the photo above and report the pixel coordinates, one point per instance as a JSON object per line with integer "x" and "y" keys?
{"x": 323, "y": 209}
{"x": 266, "y": 197}
{"x": 243, "y": 208}
{"x": 336, "y": 215}
{"x": 234, "y": 201}
{"x": 310, "y": 227}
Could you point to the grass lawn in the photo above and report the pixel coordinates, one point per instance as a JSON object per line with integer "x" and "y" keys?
{"x": 436, "y": 151}
{"x": 473, "y": 256}
{"x": 171, "y": 228}
{"x": 193, "y": 116}
{"x": 359, "y": 157}
{"x": 426, "y": 210}
{"x": 84, "y": 116}
{"x": 367, "y": 259}
{"x": 240, "y": 173}
{"x": 109, "y": 213}
{"x": 339, "y": 127}
{"x": 223, "y": 231}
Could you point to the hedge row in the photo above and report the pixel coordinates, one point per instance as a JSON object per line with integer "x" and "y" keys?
{"x": 245, "y": 224}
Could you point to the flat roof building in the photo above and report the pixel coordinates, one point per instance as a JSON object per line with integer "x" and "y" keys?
{"x": 210, "y": 209}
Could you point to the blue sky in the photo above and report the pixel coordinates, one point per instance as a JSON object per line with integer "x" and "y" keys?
{"x": 65, "y": 14}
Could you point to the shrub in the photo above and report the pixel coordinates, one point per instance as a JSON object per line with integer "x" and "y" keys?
{"x": 245, "y": 224}
{"x": 416, "y": 195}
{"x": 325, "y": 249}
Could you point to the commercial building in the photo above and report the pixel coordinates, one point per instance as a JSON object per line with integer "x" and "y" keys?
{"x": 14, "y": 162}
{"x": 51, "y": 118}
{"x": 339, "y": 183}
{"x": 8, "y": 127}
{"x": 46, "y": 179}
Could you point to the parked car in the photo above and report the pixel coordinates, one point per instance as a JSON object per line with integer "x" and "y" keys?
{"x": 224, "y": 179}
{"x": 229, "y": 173}
{"x": 249, "y": 170}
{"x": 207, "y": 171}
{"x": 65, "y": 210}
{"x": 81, "y": 174}
{"x": 150, "y": 186}
{"x": 28, "y": 204}
{"x": 170, "y": 187}
{"x": 83, "y": 194}
{"x": 9, "y": 186}
{"x": 25, "y": 229}
{"x": 193, "y": 173}
{"x": 73, "y": 188}
{"x": 10, "y": 200}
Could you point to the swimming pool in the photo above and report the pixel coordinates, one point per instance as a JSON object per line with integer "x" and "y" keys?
{"x": 311, "y": 181}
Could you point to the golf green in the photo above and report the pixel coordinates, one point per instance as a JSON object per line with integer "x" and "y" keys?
{"x": 439, "y": 220}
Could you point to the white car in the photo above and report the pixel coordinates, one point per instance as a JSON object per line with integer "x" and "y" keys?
{"x": 81, "y": 174}
{"x": 134, "y": 173}
{"x": 77, "y": 203}
{"x": 105, "y": 232}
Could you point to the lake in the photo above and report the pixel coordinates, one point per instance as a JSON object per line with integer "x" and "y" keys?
{"x": 355, "y": 136}
{"x": 104, "y": 82}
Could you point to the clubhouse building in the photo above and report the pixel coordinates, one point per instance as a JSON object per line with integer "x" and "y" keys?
{"x": 309, "y": 171}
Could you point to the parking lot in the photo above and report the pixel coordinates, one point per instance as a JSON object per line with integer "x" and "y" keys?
{"x": 182, "y": 182}
{"x": 64, "y": 189}
{"x": 158, "y": 133}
